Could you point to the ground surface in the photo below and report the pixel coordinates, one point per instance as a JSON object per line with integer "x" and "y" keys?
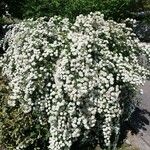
{"x": 141, "y": 121}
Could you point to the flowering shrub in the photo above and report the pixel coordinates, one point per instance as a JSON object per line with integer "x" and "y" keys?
{"x": 72, "y": 74}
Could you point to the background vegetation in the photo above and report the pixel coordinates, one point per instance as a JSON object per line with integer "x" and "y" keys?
{"x": 116, "y": 9}
{"x": 112, "y": 9}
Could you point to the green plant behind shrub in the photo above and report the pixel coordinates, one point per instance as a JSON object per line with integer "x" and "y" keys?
{"x": 116, "y": 9}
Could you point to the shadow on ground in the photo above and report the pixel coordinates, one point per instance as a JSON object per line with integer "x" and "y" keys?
{"x": 137, "y": 123}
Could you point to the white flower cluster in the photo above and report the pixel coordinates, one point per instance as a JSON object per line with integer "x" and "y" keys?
{"x": 72, "y": 71}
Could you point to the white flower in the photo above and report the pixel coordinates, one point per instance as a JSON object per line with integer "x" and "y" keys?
{"x": 12, "y": 103}
{"x": 141, "y": 91}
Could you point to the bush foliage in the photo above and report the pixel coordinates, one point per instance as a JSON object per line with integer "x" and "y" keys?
{"x": 67, "y": 81}
{"x": 116, "y": 9}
